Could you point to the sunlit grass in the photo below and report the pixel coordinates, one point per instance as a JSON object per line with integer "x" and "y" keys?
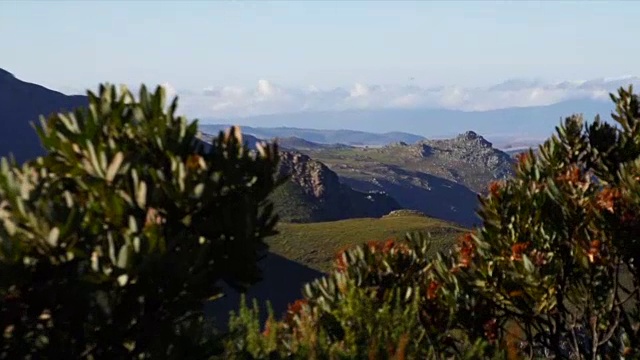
{"x": 316, "y": 244}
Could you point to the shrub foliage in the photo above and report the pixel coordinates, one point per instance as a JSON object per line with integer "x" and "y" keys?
{"x": 552, "y": 272}
{"x": 111, "y": 243}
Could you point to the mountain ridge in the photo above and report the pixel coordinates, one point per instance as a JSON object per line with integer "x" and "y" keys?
{"x": 21, "y": 104}
{"x": 320, "y": 136}
{"x": 537, "y": 121}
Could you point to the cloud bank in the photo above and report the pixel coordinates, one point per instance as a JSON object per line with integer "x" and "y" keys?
{"x": 269, "y": 98}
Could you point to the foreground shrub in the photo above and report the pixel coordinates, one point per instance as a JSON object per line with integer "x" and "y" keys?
{"x": 112, "y": 242}
{"x": 553, "y": 272}
{"x": 558, "y": 254}
{"x": 384, "y": 300}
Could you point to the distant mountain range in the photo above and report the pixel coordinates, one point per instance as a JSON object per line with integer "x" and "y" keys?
{"x": 537, "y": 122}
{"x": 348, "y": 137}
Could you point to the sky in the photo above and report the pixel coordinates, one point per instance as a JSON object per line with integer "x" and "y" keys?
{"x": 235, "y": 54}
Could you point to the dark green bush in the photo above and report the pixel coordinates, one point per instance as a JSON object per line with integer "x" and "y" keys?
{"x": 384, "y": 300}
{"x": 557, "y": 257}
{"x": 553, "y": 272}
{"x": 112, "y": 242}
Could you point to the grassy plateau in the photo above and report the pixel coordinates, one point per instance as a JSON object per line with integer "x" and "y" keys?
{"x": 316, "y": 244}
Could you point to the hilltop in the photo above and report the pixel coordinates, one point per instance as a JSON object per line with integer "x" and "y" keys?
{"x": 314, "y": 193}
{"x": 316, "y": 244}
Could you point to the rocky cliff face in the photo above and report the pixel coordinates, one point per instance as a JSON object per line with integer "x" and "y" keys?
{"x": 313, "y": 176}
{"x": 315, "y": 193}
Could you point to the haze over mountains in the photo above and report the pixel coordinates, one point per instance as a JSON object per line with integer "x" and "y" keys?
{"x": 376, "y": 114}
{"x": 510, "y": 124}
{"x": 348, "y": 137}
{"x": 510, "y": 108}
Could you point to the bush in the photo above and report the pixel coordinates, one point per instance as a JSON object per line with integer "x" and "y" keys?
{"x": 384, "y": 300}
{"x": 552, "y": 272}
{"x": 557, "y": 257}
{"x": 112, "y": 242}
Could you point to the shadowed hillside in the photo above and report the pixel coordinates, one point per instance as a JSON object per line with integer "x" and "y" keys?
{"x": 22, "y": 103}
{"x": 282, "y": 283}
{"x": 301, "y": 253}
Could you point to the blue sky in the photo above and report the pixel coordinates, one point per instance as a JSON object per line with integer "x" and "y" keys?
{"x": 196, "y": 44}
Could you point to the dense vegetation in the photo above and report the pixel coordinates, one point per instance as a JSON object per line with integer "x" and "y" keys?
{"x": 111, "y": 243}
{"x": 553, "y": 271}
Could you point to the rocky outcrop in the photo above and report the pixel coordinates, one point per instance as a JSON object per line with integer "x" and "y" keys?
{"x": 315, "y": 193}
{"x": 474, "y": 150}
{"x": 468, "y": 159}
{"x": 313, "y": 176}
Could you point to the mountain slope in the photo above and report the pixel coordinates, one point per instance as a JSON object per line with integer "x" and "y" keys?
{"x": 314, "y": 193}
{"x": 316, "y": 244}
{"x": 441, "y": 178}
{"x": 21, "y": 103}
{"x": 301, "y": 253}
{"x": 296, "y": 143}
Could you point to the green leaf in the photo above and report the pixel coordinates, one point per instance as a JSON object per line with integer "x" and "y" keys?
{"x": 54, "y": 234}
{"x": 198, "y": 190}
{"x": 141, "y": 194}
{"x": 94, "y": 159}
{"x": 114, "y": 166}
{"x": 123, "y": 256}
{"x": 528, "y": 265}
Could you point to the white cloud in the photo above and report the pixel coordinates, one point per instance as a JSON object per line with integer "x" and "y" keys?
{"x": 268, "y": 98}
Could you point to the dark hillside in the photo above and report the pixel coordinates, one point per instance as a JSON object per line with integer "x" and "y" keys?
{"x": 22, "y": 103}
